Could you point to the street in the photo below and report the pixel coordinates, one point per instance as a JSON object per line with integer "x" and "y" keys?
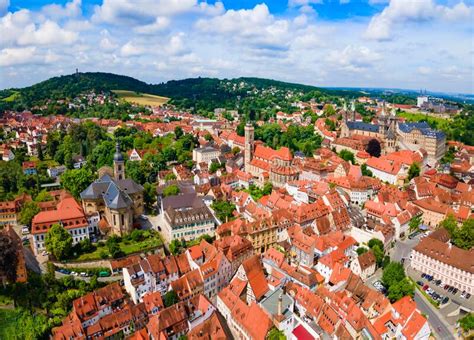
{"x": 437, "y": 325}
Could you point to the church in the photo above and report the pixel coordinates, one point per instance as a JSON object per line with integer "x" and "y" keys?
{"x": 117, "y": 199}
{"x": 266, "y": 164}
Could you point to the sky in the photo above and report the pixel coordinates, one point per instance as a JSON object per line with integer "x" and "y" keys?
{"x": 410, "y": 44}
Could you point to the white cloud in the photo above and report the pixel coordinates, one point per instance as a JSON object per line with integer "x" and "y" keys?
{"x": 48, "y": 33}
{"x": 297, "y": 3}
{"x": 354, "y": 58}
{"x": 423, "y": 70}
{"x": 17, "y": 56}
{"x": 159, "y": 24}
{"x": 176, "y": 45}
{"x": 380, "y": 27}
{"x": 130, "y": 49}
{"x": 70, "y": 9}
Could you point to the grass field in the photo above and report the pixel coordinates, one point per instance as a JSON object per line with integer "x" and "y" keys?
{"x": 141, "y": 98}
{"x": 15, "y": 95}
{"x": 416, "y": 117}
{"x": 8, "y": 324}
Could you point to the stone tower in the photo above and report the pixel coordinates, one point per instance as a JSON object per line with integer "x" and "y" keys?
{"x": 119, "y": 164}
{"x": 249, "y": 138}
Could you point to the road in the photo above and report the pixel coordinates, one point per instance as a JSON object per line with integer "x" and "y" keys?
{"x": 438, "y": 326}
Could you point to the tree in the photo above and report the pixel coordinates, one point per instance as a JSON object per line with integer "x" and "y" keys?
{"x": 275, "y": 334}
{"x": 43, "y": 196}
{"x": 329, "y": 110}
{"x": 464, "y": 236}
{"x": 171, "y": 190}
{"x": 379, "y": 255}
{"x": 208, "y": 137}
{"x": 77, "y": 180}
{"x": 28, "y": 211}
{"x": 58, "y": 242}
{"x": 393, "y": 273}
{"x": 400, "y": 289}
{"x": 170, "y": 298}
{"x": 414, "y": 223}
{"x": 467, "y": 322}
{"x": 450, "y": 224}
{"x": 169, "y": 177}
{"x": 149, "y": 195}
{"x": 375, "y": 242}
{"x": 362, "y": 250}
{"x": 8, "y": 257}
{"x": 235, "y": 150}
{"x": 365, "y": 171}
{"x": 223, "y": 209}
{"x": 267, "y": 188}
{"x": 178, "y": 132}
{"x": 214, "y": 167}
{"x": 413, "y": 171}
{"x": 373, "y": 148}
{"x": 330, "y": 124}
{"x": 347, "y": 156}
{"x": 114, "y": 249}
{"x": 175, "y": 247}
{"x": 39, "y": 149}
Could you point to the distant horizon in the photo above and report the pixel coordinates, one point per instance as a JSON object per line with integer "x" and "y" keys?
{"x": 360, "y": 88}
{"x": 393, "y": 44}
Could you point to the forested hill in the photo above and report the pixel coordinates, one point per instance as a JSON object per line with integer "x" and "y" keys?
{"x": 197, "y": 93}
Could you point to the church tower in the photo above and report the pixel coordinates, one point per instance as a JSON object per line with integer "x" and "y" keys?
{"x": 119, "y": 164}
{"x": 249, "y": 139}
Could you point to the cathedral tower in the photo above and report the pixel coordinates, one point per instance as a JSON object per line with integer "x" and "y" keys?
{"x": 249, "y": 139}
{"x": 119, "y": 164}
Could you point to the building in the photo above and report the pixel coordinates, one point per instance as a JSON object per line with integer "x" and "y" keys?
{"x": 364, "y": 265}
{"x": 266, "y": 164}
{"x": 185, "y": 216}
{"x": 21, "y": 273}
{"x": 421, "y": 135}
{"x": 118, "y": 200}
{"x": 435, "y": 255}
{"x": 69, "y": 214}
{"x": 205, "y": 155}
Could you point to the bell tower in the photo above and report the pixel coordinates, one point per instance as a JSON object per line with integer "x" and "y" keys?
{"x": 119, "y": 164}
{"x": 249, "y": 139}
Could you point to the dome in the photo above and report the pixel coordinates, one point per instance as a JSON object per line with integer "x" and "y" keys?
{"x": 118, "y": 157}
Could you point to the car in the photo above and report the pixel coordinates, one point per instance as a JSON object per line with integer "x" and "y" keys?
{"x": 104, "y": 274}
{"x": 419, "y": 283}
{"x": 159, "y": 228}
{"x": 74, "y": 273}
{"x": 438, "y": 282}
{"x": 423, "y": 275}
{"x": 463, "y": 294}
{"x": 455, "y": 291}
{"x": 25, "y": 230}
{"x": 446, "y": 287}
{"x": 450, "y": 289}
{"x": 425, "y": 287}
{"x": 83, "y": 274}
{"x": 430, "y": 278}
{"x": 445, "y": 300}
{"x": 468, "y": 296}
{"x": 429, "y": 291}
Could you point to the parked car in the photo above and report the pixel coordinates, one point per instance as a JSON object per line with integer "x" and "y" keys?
{"x": 25, "y": 230}
{"x": 438, "y": 282}
{"x": 446, "y": 287}
{"x": 425, "y": 287}
{"x": 445, "y": 300}
{"x": 83, "y": 274}
{"x": 104, "y": 274}
{"x": 450, "y": 289}
{"x": 419, "y": 283}
{"x": 468, "y": 296}
{"x": 455, "y": 291}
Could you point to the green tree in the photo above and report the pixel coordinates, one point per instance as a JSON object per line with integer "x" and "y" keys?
{"x": 224, "y": 210}
{"x": 413, "y": 171}
{"x": 362, "y": 250}
{"x": 365, "y": 171}
{"x": 43, "y": 196}
{"x": 178, "y": 132}
{"x": 275, "y": 334}
{"x": 375, "y": 242}
{"x": 393, "y": 273}
{"x": 175, "y": 247}
{"x": 464, "y": 236}
{"x": 171, "y": 190}
{"x": 467, "y": 322}
{"x": 347, "y": 156}
{"x": 450, "y": 224}
{"x": 267, "y": 188}
{"x": 27, "y": 212}
{"x": 329, "y": 110}
{"x": 214, "y": 167}
{"x": 77, "y": 180}
{"x": 379, "y": 255}
{"x": 58, "y": 242}
{"x": 170, "y": 298}
{"x": 170, "y": 177}
{"x": 414, "y": 223}
{"x": 400, "y": 289}
{"x": 149, "y": 195}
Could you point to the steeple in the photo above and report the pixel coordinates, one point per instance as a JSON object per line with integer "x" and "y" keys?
{"x": 383, "y": 109}
{"x": 119, "y": 168}
{"x": 249, "y": 140}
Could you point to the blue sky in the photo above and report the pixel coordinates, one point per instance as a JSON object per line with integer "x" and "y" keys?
{"x": 416, "y": 44}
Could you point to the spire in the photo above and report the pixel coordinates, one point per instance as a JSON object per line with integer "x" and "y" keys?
{"x": 280, "y": 303}
{"x": 344, "y": 106}
{"x": 118, "y": 157}
{"x": 383, "y": 108}
{"x": 353, "y": 107}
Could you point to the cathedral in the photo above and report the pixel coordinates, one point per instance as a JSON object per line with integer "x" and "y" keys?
{"x": 117, "y": 199}
{"x": 266, "y": 164}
